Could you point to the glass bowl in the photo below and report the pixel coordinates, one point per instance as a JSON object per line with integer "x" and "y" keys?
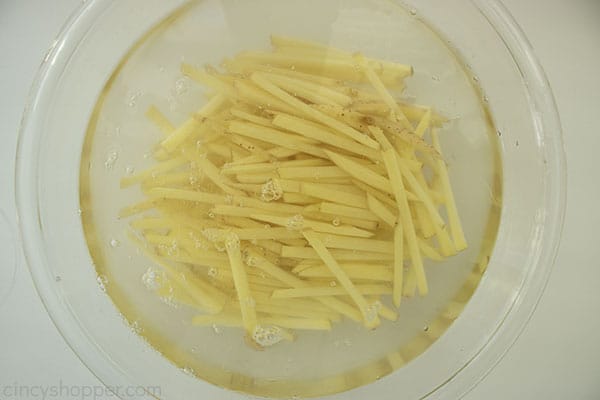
{"x": 83, "y": 60}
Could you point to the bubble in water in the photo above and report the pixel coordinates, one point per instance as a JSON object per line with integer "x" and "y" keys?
{"x": 181, "y": 86}
{"x": 333, "y": 283}
{"x": 216, "y": 329}
{"x": 295, "y": 223}
{"x": 475, "y": 79}
{"x": 372, "y": 311}
{"x": 111, "y": 159}
{"x": 102, "y": 282}
{"x": 79, "y": 211}
{"x": 136, "y": 327}
{"x": 413, "y": 11}
{"x": 114, "y": 243}
{"x": 211, "y": 214}
{"x": 212, "y": 272}
{"x": 189, "y": 371}
{"x": 150, "y": 279}
{"x": 129, "y": 170}
{"x": 271, "y": 190}
{"x": 267, "y": 336}
{"x": 336, "y": 222}
{"x": 132, "y": 98}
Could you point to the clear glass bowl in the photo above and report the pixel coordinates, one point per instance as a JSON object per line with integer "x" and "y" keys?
{"x": 83, "y": 59}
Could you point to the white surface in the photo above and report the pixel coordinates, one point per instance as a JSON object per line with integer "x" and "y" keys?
{"x": 557, "y": 355}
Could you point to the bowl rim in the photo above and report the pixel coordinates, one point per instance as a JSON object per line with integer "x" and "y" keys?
{"x": 547, "y": 129}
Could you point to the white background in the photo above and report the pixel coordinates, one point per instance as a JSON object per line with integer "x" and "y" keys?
{"x": 558, "y": 354}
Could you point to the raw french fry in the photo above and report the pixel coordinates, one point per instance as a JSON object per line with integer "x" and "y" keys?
{"x": 456, "y": 230}
{"x": 346, "y": 211}
{"x": 338, "y": 254}
{"x": 332, "y": 195}
{"x": 381, "y": 211}
{"x": 405, "y": 218}
{"x": 360, "y": 172}
{"x": 358, "y": 271}
{"x": 161, "y": 122}
{"x": 297, "y": 222}
{"x": 150, "y": 173}
{"x": 398, "y": 283}
{"x": 240, "y": 279}
{"x": 317, "y": 291}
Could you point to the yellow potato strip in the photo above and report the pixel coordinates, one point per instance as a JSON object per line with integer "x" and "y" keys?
{"x": 208, "y": 79}
{"x": 154, "y": 171}
{"x": 398, "y": 282}
{"x": 339, "y": 254}
{"x": 381, "y": 211}
{"x": 275, "y": 136}
{"x": 255, "y": 96}
{"x": 267, "y": 85}
{"x": 241, "y": 114}
{"x": 352, "y": 243}
{"x": 299, "y": 223}
{"x": 405, "y": 218}
{"x": 318, "y": 291}
{"x": 334, "y": 196}
{"x": 361, "y": 173}
{"x": 420, "y": 192}
{"x": 456, "y": 230}
{"x": 240, "y": 279}
{"x": 370, "y": 320}
{"x": 297, "y": 198}
{"x": 311, "y": 172}
{"x": 346, "y": 211}
{"x": 182, "y": 133}
{"x": 360, "y": 271}
{"x": 213, "y": 173}
{"x": 159, "y": 119}
{"x": 188, "y": 195}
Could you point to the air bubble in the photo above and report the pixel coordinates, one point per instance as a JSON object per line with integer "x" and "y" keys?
{"x": 336, "y": 222}
{"x": 212, "y": 272}
{"x": 136, "y": 327}
{"x": 132, "y": 99}
{"x": 181, "y": 86}
{"x": 295, "y": 223}
{"x": 189, "y": 371}
{"x": 216, "y": 329}
{"x": 129, "y": 170}
{"x": 102, "y": 282}
{"x": 79, "y": 211}
{"x": 114, "y": 243}
{"x": 111, "y": 159}
{"x": 413, "y": 11}
{"x": 333, "y": 283}
{"x": 267, "y": 336}
{"x": 150, "y": 279}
